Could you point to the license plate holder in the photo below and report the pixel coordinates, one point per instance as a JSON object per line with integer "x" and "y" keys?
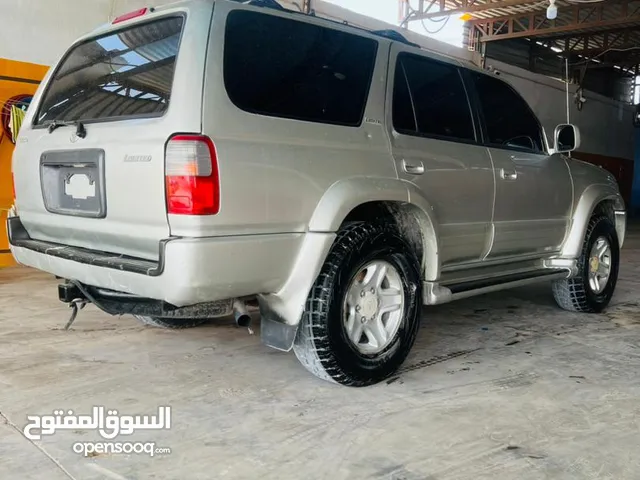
{"x": 73, "y": 182}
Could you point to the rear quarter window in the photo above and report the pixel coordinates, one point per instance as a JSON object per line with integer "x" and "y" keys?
{"x": 128, "y": 73}
{"x": 280, "y": 67}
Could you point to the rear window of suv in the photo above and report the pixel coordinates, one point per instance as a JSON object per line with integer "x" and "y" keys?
{"x": 128, "y": 73}
{"x": 281, "y": 67}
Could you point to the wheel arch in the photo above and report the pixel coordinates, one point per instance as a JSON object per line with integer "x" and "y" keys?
{"x": 604, "y": 198}
{"x": 363, "y": 199}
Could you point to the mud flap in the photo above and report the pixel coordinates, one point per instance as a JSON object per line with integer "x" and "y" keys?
{"x": 277, "y": 335}
{"x": 274, "y": 331}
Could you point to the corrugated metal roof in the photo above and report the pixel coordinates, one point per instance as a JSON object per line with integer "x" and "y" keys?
{"x": 612, "y": 10}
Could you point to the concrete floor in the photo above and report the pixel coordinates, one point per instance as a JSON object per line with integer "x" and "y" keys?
{"x": 503, "y": 386}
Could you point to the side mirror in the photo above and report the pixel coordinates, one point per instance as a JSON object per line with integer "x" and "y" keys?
{"x": 636, "y": 117}
{"x": 566, "y": 138}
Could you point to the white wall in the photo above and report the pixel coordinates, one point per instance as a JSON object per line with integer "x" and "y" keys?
{"x": 38, "y": 31}
{"x": 43, "y": 29}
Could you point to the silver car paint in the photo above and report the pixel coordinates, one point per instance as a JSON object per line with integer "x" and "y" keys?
{"x": 539, "y": 223}
{"x": 287, "y": 186}
{"x": 457, "y": 179}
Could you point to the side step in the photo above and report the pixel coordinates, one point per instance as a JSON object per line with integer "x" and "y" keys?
{"x": 435, "y": 293}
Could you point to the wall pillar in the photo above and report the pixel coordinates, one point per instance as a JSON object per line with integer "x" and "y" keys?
{"x": 16, "y": 78}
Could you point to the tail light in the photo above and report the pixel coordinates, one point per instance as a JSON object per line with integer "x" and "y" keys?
{"x": 191, "y": 171}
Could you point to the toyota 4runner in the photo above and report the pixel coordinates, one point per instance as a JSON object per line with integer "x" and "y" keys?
{"x": 185, "y": 159}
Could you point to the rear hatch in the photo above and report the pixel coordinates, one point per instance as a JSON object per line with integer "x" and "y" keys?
{"x": 100, "y": 183}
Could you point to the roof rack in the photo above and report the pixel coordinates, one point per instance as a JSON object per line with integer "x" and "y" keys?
{"x": 265, "y": 3}
{"x": 393, "y": 35}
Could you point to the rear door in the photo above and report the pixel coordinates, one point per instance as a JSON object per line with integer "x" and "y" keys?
{"x": 434, "y": 145}
{"x": 102, "y": 185}
{"x": 533, "y": 189}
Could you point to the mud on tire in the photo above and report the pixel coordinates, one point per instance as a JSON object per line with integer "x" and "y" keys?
{"x": 322, "y": 344}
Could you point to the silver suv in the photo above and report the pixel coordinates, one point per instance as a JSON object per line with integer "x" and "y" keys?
{"x": 187, "y": 159}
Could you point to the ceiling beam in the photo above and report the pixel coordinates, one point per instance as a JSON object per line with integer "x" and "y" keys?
{"x": 589, "y": 44}
{"x": 608, "y": 31}
{"x": 467, "y": 6}
{"x": 627, "y": 66}
{"x": 535, "y": 24}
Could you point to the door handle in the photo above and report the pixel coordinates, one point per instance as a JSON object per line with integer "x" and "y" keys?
{"x": 508, "y": 175}
{"x": 415, "y": 169}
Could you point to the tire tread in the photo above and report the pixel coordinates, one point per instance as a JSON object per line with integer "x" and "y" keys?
{"x": 570, "y": 294}
{"x": 311, "y": 346}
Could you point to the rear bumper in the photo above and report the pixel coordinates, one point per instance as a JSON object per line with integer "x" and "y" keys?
{"x": 189, "y": 271}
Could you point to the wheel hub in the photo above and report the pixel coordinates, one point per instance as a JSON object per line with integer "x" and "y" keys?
{"x": 369, "y": 305}
{"x": 599, "y": 265}
{"x": 374, "y": 307}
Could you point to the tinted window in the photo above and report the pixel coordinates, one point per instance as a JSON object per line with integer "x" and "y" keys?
{"x": 429, "y": 99}
{"x": 285, "y": 68}
{"x": 129, "y": 73}
{"x": 508, "y": 119}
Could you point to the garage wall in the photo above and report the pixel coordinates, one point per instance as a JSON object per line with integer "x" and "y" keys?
{"x": 42, "y": 29}
{"x": 606, "y": 125}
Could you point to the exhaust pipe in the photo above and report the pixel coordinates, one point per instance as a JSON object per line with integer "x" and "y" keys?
{"x": 240, "y": 313}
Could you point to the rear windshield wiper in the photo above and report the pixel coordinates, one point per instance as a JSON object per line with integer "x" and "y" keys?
{"x": 80, "y": 130}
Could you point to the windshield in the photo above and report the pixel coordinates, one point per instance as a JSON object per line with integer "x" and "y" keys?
{"x": 128, "y": 73}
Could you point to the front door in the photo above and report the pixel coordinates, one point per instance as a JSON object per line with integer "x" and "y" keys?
{"x": 434, "y": 144}
{"x": 533, "y": 189}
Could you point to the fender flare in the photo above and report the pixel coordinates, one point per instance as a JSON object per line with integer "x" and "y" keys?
{"x": 414, "y": 209}
{"x": 590, "y": 198}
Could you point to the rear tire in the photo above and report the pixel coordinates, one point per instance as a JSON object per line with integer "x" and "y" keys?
{"x": 584, "y": 293}
{"x": 387, "y": 309}
{"x": 170, "y": 323}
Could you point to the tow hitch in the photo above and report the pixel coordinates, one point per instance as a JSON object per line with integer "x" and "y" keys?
{"x": 78, "y": 295}
{"x": 72, "y": 295}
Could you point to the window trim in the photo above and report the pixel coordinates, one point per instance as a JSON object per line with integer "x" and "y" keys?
{"x": 474, "y": 124}
{"x": 35, "y": 124}
{"x": 369, "y": 86}
{"x": 483, "y": 124}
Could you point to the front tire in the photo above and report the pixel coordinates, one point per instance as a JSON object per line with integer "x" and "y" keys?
{"x": 362, "y": 314}
{"x": 591, "y": 290}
